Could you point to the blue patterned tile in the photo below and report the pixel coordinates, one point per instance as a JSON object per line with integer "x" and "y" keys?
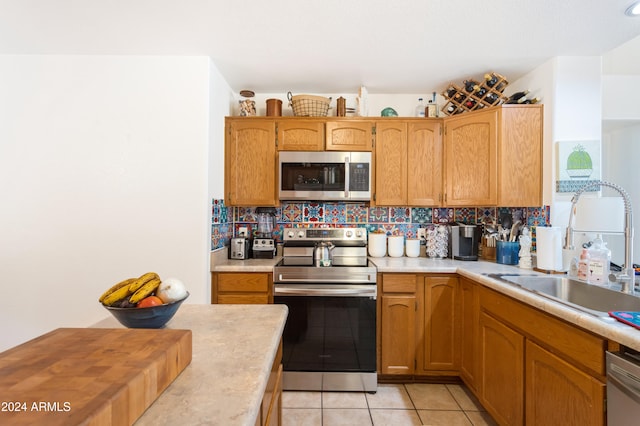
{"x": 313, "y": 212}
{"x": 357, "y": 213}
{"x": 442, "y": 215}
{"x": 421, "y": 215}
{"x": 400, "y": 214}
{"x": 379, "y": 214}
{"x": 487, "y": 215}
{"x": 335, "y": 213}
{"x": 465, "y": 215}
{"x": 291, "y": 212}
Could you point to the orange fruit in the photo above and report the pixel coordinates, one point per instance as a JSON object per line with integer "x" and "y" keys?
{"x": 149, "y": 301}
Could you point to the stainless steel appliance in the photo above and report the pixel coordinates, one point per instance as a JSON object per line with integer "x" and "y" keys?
{"x": 317, "y": 175}
{"x": 329, "y": 340}
{"x": 239, "y": 248}
{"x": 464, "y": 241}
{"x": 623, "y": 387}
{"x": 264, "y": 245}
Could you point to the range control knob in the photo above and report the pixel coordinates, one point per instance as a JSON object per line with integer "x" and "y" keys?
{"x": 358, "y": 233}
{"x": 290, "y": 234}
{"x": 349, "y": 234}
{"x": 300, "y": 234}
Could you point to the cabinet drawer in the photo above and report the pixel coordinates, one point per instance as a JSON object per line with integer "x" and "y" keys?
{"x": 243, "y": 299}
{"x": 399, "y": 283}
{"x": 241, "y": 283}
{"x": 557, "y": 336}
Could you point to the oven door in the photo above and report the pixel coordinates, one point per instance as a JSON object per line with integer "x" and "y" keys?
{"x": 330, "y": 328}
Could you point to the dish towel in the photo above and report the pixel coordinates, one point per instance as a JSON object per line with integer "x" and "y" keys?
{"x": 628, "y": 317}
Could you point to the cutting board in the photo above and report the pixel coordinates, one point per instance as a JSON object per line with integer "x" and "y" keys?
{"x": 89, "y": 376}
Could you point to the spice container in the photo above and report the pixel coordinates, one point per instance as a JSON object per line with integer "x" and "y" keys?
{"x": 247, "y": 105}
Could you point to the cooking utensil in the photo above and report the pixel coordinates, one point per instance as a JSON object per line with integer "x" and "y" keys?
{"x": 515, "y": 229}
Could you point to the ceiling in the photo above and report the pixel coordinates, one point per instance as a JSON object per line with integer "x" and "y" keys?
{"x": 326, "y": 46}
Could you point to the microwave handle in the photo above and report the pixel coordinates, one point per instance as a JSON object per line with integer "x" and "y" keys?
{"x": 346, "y": 176}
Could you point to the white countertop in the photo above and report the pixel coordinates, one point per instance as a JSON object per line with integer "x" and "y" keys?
{"x": 234, "y": 347}
{"x": 475, "y": 270}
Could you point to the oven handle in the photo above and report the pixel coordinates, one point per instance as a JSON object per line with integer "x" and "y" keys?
{"x": 318, "y": 292}
{"x": 353, "y": 279}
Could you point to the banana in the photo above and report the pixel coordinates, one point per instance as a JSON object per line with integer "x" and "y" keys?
{"x": 117, "y": 295}
{"x": 115, "y": 287}
{"x": 142, "y": 280}
{"x": 145, "y": 290}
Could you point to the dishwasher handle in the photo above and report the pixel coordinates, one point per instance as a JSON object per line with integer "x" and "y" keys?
{"x": 628, "y": 383}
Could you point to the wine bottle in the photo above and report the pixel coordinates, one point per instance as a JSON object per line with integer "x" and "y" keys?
{"x": 479, "y": 91}
{"x": 459, "y": 97}
{"x": 531, "y": 101}
{"x": 518, "y": 97}
{"x": 491, "y": 98}
{"x": 451, "y": 92}
{"x": 420, "y": 108}
{"x": 469, "y": 85}
{"x": 491, "y": 79}
{"x": 470, "y": 103}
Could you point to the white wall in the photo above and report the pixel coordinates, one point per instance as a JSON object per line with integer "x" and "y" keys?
{"x": 221, "y": 103}
{"x": 103, "y": 176}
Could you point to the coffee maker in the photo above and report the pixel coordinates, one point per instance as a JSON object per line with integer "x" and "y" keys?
{"x": 264, "y": 245}
{"x": 463, "y": 241}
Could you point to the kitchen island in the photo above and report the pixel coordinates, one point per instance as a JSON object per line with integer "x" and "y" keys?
{"x": 234, "y": 348}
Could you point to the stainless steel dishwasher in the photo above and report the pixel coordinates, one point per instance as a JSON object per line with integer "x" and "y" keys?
{"x": 623, "y": 387}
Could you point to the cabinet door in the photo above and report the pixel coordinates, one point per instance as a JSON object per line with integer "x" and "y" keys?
{"x": 438, "y": 327}
{"x": 469, "y": 344}
{"x": 391, "y": 163}
{"x": 300, "y": 135}
{"x": 520, "y": 156}
{"x": 471, "y": 143}
{"x": 397, "y": 347}
{"x": 557, "y": 393}
{"x": 250, "y": 163}
{"x": 424, "y": 163}
{"x": 349, "y": 135}
{"x": 502, "y": 371}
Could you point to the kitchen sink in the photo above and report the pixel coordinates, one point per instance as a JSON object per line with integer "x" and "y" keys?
{"x": 588, "y": 298}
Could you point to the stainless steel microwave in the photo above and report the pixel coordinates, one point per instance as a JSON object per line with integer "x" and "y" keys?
{"x": 321, "y": 175}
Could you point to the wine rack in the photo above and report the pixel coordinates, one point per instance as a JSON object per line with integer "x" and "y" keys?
{"x": 475, "y": 95}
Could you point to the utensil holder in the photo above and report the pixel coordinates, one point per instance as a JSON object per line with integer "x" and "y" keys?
{"x": 507, "y": 252}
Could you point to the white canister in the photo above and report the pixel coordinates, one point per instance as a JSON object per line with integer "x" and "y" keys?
{"x": 396, "y": 245}
{"x": 377, "y": 245}
{"x": 412, "y": 247}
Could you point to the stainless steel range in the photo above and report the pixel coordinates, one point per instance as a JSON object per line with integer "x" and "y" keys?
{"x": 329, "y": 340}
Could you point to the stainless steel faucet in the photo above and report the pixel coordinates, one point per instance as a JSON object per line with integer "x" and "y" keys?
{"x": 626, "y": 277}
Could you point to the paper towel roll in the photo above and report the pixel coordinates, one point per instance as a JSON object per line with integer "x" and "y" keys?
{"x": 549, "y": 248}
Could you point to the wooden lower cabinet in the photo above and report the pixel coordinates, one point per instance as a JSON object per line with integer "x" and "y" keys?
{"x": 271, "y": 407}
{"x": 241, "y": 287}
{"x": 438, "y": 326}
{"x": 558, "y": 393}
{"x": 469, "y": 332}
{"x": 397, "y": 323}
{"x": 502, "y": 366}
{"x": 419, "y": 327}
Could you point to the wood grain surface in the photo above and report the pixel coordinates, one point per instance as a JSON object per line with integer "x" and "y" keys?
{"x": 89, "y": 376}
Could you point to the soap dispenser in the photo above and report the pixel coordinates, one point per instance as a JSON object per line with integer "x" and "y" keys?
{"x": 583, "y": 265}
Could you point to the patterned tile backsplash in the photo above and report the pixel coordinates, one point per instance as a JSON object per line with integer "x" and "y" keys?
{"x": 393, "y": 220}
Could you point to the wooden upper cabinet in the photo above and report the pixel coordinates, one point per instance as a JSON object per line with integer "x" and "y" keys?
{"x": 250, "y": 162}
{"x": 424, "y": 163}
{"x": 520, "y": 156}
{"x": 471, "y": 143}
{"x": 300, "y": 135}
{"x": 349, "y": 135}
{"x": 391, "y": 163}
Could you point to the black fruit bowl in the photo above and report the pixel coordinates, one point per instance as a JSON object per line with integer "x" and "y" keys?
{"x": 152, "y": 317}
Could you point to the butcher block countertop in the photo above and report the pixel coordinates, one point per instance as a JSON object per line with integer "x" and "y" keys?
{"x": 234, "y": 347}
{"x": 74, "y": 376}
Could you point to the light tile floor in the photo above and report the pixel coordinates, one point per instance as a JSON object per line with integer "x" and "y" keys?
{"x": 392, "y": 404}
